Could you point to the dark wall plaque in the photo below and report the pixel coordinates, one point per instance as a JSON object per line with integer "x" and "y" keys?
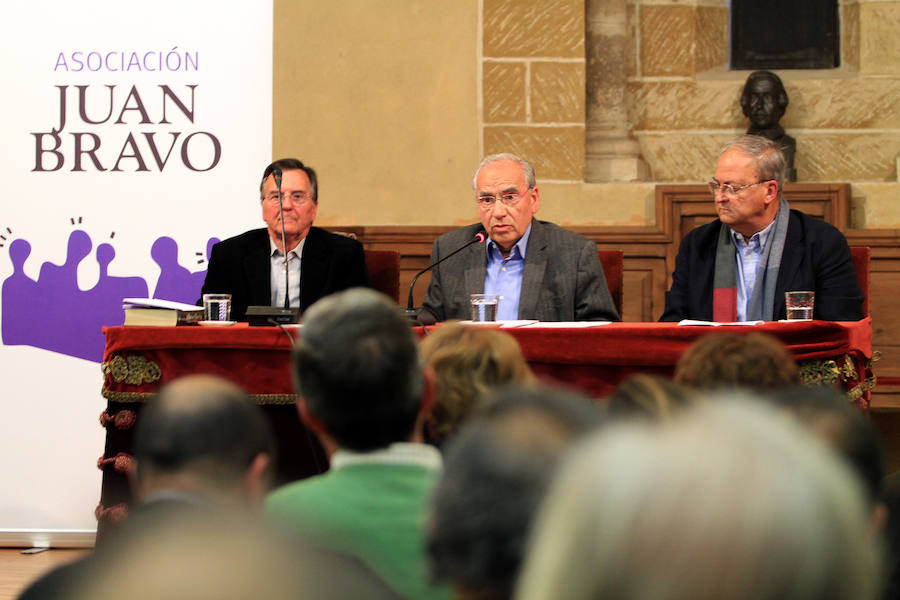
{"x": 784, "y": 34}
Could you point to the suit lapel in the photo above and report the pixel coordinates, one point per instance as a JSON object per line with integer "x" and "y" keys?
{"x": 791, "y": 259}
{"x": 313, "y": 269}
{"x": 535, "y": 267}
{"x": 474, "y": 259}
{"x": 473, "y": 280}
{"x": 257, "y": 271}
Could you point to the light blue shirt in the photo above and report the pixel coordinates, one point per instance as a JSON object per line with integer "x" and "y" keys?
{"x": 504, "y": 276}
{"x": 749, "y": 253}
{"x": 276, "y": 273}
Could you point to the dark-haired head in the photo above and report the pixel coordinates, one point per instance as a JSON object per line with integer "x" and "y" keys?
{"x": 357, "y": 369}
{"x": 755, "y": 360}
{"x": 496, "y": 470}
{"x": 291, "y": 164}
{"x": 834, "y": 419}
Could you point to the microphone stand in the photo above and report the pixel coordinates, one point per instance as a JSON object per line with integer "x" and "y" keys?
{"x": 268, "y": 315}
{"x": 411, "y": 312}
{"x": 287, "y": 288}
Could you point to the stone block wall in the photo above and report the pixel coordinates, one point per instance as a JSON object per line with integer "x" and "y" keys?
{"x": 533, "y": 90}
{"x": 682, "y": 101}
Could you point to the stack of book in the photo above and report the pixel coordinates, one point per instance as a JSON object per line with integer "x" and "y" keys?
{"x": 150, "y": 312}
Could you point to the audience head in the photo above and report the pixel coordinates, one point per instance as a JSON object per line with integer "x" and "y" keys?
{"x": 202, "y": 435}
{"x": 755, "y": 361}
{"x": 891, "y": 536}
{"x": 357, "y": 371}
{"x": 648, "y": 396}
{"x": 221, "y": 557}
{"x": 495, "y": 472}
{"x": 829, "y": 415}
{"x": 729, "y": 501}
{"x": 467, "y": 362}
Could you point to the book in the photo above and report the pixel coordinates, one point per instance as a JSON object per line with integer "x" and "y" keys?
{"x": 151, "y": 312}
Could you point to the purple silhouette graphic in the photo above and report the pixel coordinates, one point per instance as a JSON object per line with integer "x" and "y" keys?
{"x": 105, "y": 299}
{"x": 175, "y": 282}
{"x": 54, "y": 314}
{"x": 21, "y": 300}
{"x": 199, "y": 276}
{"x": 60, "y": 324}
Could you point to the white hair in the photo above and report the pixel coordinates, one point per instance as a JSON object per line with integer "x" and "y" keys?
{"x": 731, "y": 502}
{"x": 527, "y": 169}
{"x": 770, "y": 160}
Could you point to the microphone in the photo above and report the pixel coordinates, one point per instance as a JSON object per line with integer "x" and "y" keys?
{"x": 267, "y": 315}
{"x": 276, "y": 174}
{"x": 411, "y": 312}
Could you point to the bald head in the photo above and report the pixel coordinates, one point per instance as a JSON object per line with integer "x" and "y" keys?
{"x": 200, "y": 429}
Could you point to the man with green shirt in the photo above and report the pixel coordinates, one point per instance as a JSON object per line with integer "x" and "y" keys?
{"x": 362, "y": 390}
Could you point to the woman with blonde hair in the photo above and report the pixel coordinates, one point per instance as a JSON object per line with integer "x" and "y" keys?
{"x": 468, "y": 361}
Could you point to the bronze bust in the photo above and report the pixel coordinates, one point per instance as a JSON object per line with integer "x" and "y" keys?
{"x": 763, "y": 102}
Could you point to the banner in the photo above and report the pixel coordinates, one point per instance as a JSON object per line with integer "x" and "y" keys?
{"x": 134, "y": 136}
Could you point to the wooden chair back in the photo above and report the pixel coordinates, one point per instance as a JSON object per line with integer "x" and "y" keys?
{"x": 862, "y": 255}
{"x": 384, "y": 272}
{"x": 612, "y": 261}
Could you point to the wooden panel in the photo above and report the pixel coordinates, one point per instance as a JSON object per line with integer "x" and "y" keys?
{"x": 638, "y": 291}
{"x": 888, "y": 425}
{"x": 884, "y": 289}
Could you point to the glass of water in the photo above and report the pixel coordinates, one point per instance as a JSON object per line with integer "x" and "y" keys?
{"x": 799, "y": 305}
{"x": 484, "y": 307}
{"x": 216, "y": 307}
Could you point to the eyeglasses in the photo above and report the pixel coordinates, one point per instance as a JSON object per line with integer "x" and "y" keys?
{"x": 730, "y": 190}
{"x": 298, "y": 197}
{"x": 508, "y": 199}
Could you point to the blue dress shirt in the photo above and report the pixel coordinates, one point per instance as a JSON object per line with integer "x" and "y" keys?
{"x": 749, "y": 253}
{"x": 504, "y": 276}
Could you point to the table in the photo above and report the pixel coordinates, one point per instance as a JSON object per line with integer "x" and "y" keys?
{"x": 595, "y": 360}
{"x": 137, "y": 360}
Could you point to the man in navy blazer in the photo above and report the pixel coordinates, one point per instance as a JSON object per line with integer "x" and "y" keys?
{"x": 813, "y": 255}
{"x": 250, "y": 266}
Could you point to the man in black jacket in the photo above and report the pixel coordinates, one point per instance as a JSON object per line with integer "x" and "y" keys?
{"x": 250, "y": 266}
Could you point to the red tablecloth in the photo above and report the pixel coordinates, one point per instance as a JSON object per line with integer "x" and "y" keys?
{"x": 139, "y": 359}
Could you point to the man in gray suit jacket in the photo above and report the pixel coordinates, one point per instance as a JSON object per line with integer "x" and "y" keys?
{"x": 539, "y": 270}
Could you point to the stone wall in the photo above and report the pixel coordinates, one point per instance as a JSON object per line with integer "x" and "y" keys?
{"x": 846, "y": 121}
{"x": 395, "y": 103}
{"x": 381, "y": 98}
{"x": 682, "y": 102}
{"x": 533, "y": 83}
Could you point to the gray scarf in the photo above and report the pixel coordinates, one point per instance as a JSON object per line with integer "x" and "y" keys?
{"x": 762, "y": 300}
